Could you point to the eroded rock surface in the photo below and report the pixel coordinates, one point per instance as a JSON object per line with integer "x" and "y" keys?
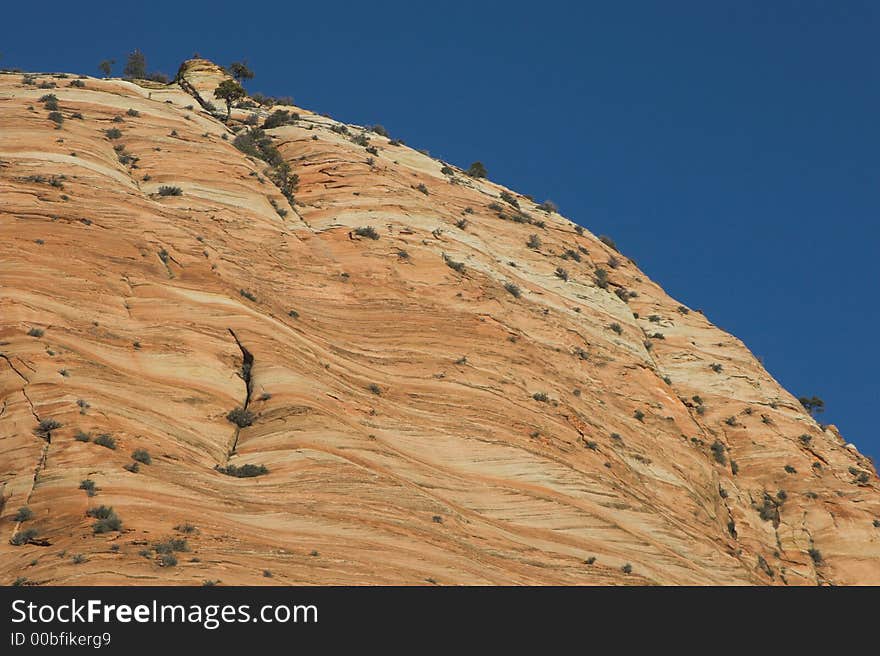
{"x": 454, "y": 402}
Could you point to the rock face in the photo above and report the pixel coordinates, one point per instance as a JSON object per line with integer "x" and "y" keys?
{"x": 469, "y": 393}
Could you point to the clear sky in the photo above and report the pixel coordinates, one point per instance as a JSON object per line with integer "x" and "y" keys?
{"x": 731, "y": 148}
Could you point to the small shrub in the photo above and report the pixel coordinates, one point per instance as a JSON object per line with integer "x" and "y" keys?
{"x": 35, "y": 332}
{"x": 541, "y": 396}
{"x": 601, "y": 278}
{"x": 82, "y": 436}
{"x": 570, "y": 254}
{"x": 461, "y": 224}
{"x": 24, "y": 514}
{"x": 534, "y": 242}
{"x": 186, "y": 528}
{"x": 89, "y": 486}
{"x": 142, "y": 456}
{"x": 45, "y": 428}
{"x": 133, "y": 112}
{"x": 717, "y": 368}
{"x": 167, "y": 560}
{"x": 608, "y": 241}
{"x": 561, "y": 273}
{"x": 50, "y": 101}
{"x": 718, "y": 452}
{"x": 627, "y": 569}
{"x": 132, "y": 467}
{"x": 78, "y": 559}
{"x": 790, "y": 470}
{"x": 458, "y": 267}
{"x": 375, "y": 389}
{"x": 241, "y": 417}
{"x": 422, "y": 188}
{"x": 816, "y": 555}
{"x": 638, "y": 414}
{"x": 616, "y": 327}
{"x": 730, "y": 421}
{"x": 170, "y": 545}
{"x": 248, "y": 295}
{"x": 245, "y": 471}
{"x": 548, "y": 206}
{"x": 113, "y": 133}
{"x": 477, "y": 170}
{"x": 23, "y": 537}
{"x": 167, "y": 190}
{"x": 106, "y": 441}
{"x": 805, "y": 439}
{"x": 367, "y": 231}
{"x": 107, "y": 524}
{"x": 513, "y": 289}
{"x": 57, "y": 118}
{"x": 509, "y": 198}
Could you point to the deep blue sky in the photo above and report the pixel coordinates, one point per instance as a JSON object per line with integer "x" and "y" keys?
{"x": 730, "y": 148}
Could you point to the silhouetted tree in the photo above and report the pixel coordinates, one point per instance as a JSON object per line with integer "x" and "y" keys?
{"x": 135, "y": 65}
{"x": 229, "y": 91}
{"x": 477, "y": 170}
{"x": 240, "y": 71}
{"x": 106, "y": 66}
{"x": 814, "y": 405}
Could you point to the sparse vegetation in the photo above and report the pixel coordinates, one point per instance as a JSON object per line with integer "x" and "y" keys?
{"x": 718, "y": 449}
{"x": 24, "y": 514}
{"x": 278, "y": 118}
{"x": 513, "y": 289}
{"x": 534, "y": 242}
{"x": 616, "y": 327}
{"x": 477, "y": 170}
{"x": 82, "y": 436}
{"x": 509, "y": 198}
{"x": 717, "y": 368}
{"x": 113, "y": 133}
{"x": 241, "y": 417}
{"x": 168, "y": 190}
{"x": 142, "y": 456}
{"x": 89, "y": 486}
{"x": 367, "y": 231}
{"x": 458, "y": 267}
{"x": 23, "y": 537}
{"x": 106, "y": 441}
{"x": 814, "y": 405}
{"x": 608, "y": 241}
{"x": 35, "y": 332}
{"x": 244, "y": 471}
{"x": 601, "y": 278}
{"x": 108, "y": 520}
{"x": 639, "y": 415}
{"x": 375, "y": 389}
{"x": 541, "y": 396}
{"x": 229, "y": 91}
{"x": 135, "y": 65}
{"x": 45, "y": 427}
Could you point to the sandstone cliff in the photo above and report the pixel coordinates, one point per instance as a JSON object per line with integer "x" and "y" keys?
{"x": 482, "y": 394}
